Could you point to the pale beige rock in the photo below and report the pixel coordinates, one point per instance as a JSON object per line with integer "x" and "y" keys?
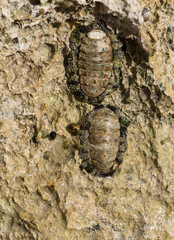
{"x": 128, "y": 8}
{"x": 43, "y": 192}
{"x": 81, "y": 209}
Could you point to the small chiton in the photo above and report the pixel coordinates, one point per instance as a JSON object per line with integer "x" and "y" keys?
{"x": 94, "y": 62}
{"x": 103, "y": 141}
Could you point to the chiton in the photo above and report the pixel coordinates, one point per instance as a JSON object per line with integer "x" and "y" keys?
{"x": 93, "y": 65}
{"x": 103, "y": 140}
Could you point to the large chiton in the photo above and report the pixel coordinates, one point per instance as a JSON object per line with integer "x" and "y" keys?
{"x": 103, "y": 140}
{"x": 94, "y": 62}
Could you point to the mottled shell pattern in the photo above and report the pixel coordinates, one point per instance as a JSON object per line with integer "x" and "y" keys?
{"x": 95, "y": 63}
{"x": 104, "y": 140}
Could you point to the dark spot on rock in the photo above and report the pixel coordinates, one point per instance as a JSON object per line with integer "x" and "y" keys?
{"x": 168, "y": 29}
{"x": 15, "y": 40}
{"x": 170, "y": 41}
{"x": 53, "y": 135}
{"x": 89, "y": 168}
{"x": 35, "y": 133}
{"x": 35, "y": 2}
{"x": 96, "y": 227}
{"x": 56, "y": 25}
{"x": 111, "y": 107}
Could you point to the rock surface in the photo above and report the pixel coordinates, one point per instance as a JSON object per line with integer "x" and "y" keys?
{"x": 44, "y": 194}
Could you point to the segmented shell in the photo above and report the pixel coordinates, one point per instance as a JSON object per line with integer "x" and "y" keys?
{"x": 103, "y": 139}
{"x": 95, "y": 63}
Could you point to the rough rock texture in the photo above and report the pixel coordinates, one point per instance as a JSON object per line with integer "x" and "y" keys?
{"x": 43, "y": 192}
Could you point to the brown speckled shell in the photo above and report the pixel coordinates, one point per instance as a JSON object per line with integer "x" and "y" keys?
{"x": 102, "y": 140}
{"x": 95, "y": 63}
